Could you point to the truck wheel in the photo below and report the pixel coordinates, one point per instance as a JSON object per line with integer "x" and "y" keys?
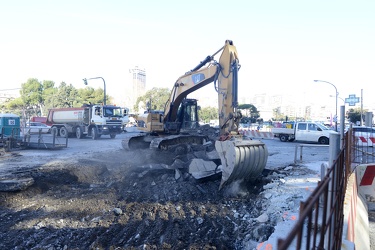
{"x": 63, "y": 132}
{"x": 323, "y": 140}
{"x": 113, "y": 136}
{"x": 94, "y": 133}
{"x": 283, "y": 138}
{"x": 79, "y": 133}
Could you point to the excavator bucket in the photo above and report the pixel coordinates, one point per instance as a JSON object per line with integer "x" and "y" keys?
{"x": 241, "y": 159}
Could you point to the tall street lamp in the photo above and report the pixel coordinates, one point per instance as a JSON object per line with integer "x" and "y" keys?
{"x": 85, "y": 82}
{"x": 337, "y": 94}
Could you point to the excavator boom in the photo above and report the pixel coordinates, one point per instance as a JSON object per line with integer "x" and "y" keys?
{"x": 225, "y": 76}
{"x": 241, "y": 158}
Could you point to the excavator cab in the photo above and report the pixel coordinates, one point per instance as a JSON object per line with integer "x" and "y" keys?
{"x": 186, "y": 119}
{"x": 187, "y": 115}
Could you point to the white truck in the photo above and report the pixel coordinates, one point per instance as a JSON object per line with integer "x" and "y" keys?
{"x": 304, "y": 131}
{"x": 91, "y": 120}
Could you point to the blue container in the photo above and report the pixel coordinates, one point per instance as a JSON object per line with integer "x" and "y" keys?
{"x": 10, "y": 125}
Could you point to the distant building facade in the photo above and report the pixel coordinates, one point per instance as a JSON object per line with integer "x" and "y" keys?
{"x": 8, "y": 94}
{"x": 137, "y": 88}
{"x": 282, "y": 106}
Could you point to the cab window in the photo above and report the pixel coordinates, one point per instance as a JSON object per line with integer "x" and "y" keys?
{"x": 312, "y": 127}
{"x": 302, "y": 126}
{"x": 97, "y": 111}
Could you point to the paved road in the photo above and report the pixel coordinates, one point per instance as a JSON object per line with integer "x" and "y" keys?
{"x": 283, "y": 153}
{"x": 280, "y": 153}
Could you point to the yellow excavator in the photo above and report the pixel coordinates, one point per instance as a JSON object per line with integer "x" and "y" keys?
{"x": 176, "y": 130}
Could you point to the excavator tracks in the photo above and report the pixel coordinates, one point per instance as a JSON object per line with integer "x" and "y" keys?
{"x": 241, "y": 158}
{"x": 136, "y": 142}
{"x": 166, "y": 143}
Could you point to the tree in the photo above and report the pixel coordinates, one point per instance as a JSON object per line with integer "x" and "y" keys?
{"x": 91, "y": 95}
{"x": 278, "y": 116}
{"x": 251, "y": 113}
{"x": 48, "y": 96}
{"x": 157, "y": 96}
{"x": 354, "y": 115}
{"x": 13, "y": 105}
{"x": 36, "y": 98}
{"x": 65, "y": 96}
{"x": 32, "y": 96}
{"x": 32, "y": 100}
{"x": 208, "y": 113}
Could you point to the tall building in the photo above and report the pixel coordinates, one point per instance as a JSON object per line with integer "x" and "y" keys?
{"x": 137, "y": 88}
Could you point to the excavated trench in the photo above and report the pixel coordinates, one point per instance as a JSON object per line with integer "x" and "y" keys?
{"x": 111, "y": 202}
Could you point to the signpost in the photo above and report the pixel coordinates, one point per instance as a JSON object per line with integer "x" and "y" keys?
{"x": 352, "y": 100}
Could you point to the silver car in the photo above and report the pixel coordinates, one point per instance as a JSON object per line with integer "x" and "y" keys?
{"x": 36, "y": 127}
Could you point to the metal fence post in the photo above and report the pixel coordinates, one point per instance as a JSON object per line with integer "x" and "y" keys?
{"x": 334, "y": 151}
{"x": 342, "y": 125}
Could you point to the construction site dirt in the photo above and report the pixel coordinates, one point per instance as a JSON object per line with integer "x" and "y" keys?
{"x": 95, "y": 195}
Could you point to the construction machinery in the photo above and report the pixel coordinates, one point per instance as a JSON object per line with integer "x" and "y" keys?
{"x": 176, "y": 130}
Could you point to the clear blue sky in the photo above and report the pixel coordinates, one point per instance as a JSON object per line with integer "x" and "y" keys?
{"x": 283, "y": 45}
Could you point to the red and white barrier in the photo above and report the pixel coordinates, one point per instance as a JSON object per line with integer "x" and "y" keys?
{"x": 257, "y": 134}
{"x": 360, "y": 184}
{"x": 365, "y": 140}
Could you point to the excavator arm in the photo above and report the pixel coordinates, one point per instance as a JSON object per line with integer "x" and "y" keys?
{"x": 240, "y": 157}
{"x": 224, "y": 75}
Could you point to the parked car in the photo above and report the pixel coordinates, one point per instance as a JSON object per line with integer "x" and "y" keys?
{"x": 365, "y": 136}
{"x": 35, "y": 127}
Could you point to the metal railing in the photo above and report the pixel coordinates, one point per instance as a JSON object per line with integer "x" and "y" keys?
{"x": 321, "y": 217}
{"x": 363, "y": 148}
{"x": 9, "y": 140}
{"x": 301, "y": 146}
{"x": 45, "y": 140}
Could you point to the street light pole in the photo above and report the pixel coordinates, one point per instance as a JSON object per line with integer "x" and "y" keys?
{"x": 85, "y": 82}
{"x": 337, "y": 95}
{"x": 339, "y": 98}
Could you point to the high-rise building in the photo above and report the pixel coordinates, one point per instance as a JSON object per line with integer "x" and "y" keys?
{"x": 138, "y": 86}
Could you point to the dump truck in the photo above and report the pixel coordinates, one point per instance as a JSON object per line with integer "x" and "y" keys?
{"x": 92, "y": 120}
{"x": 176, "y": 129}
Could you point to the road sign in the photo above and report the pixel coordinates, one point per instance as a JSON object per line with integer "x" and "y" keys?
{"x": 352, "y": 100}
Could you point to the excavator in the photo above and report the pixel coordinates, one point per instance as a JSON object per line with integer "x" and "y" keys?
{"x": 176, "y": 130}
